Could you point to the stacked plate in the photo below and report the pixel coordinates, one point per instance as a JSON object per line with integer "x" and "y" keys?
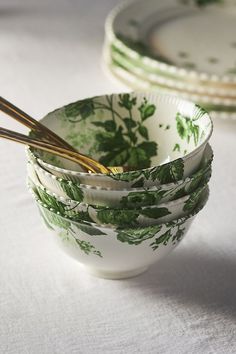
{"x": 181, "y": 47}
{"x": 118, "y": 224}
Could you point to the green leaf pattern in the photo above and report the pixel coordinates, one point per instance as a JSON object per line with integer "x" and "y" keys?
{"x": 167, "y": 173}
{"x": 168, "y": 236}
{"x": 126, "y": 143}
{"x": 72, "y": 190}
{"x": 186, "y": 127}
{"x": 169, "y": 232}
{"x": 193, "y": 200}
{"x": 137, "y": 236}
{"x": 79, "y": 110}
{"x": 87, "y": 247}
{"x": 54, "y": 221}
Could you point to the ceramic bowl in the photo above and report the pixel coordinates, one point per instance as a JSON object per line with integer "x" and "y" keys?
{"x": 125, "y": 198}
{"x": 161, "y": 137}
{"x": 115, "y": 253}
{"x": 144, "y": 216}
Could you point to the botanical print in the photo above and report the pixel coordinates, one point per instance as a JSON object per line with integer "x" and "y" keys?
{"x": 57, "y": 222}
{"x": 167, "y": 173}
{"x": 122, "y": 140}
{"x": 129, "y": 217}
{"x": 72, "y": 190}
{"x": 137, "y": 236}
{"x": 192, "y": 200}
{"x": 167, "y": 236}
{"x": 188, "y": 128}
{"x": 121, "y": 218}
{"x": 160, "y": 235}
{"x": 143, "y": 198}
{"x": 55, "y": 219}
{"x": 85, "y": 246}
{"x": 119, "y": 129}
{"x": 132, "y": 236}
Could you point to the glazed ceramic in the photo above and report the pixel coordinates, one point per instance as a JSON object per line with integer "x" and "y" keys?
{"x": 210, "y": 93}
{"x": 132, "y": 197}
{"x": 221, "y": 107}
{"x": 149, "y": 215}
{"x": 154, "y": 34}
{"x": 114, "y": 253}
{"x": 159, "y": 136}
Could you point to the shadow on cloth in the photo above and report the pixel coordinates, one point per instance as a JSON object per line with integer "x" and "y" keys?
{"x": 13, "y": 11}
{"x": 191, "y": 278}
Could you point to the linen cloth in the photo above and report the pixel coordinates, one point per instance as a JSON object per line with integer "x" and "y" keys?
{"x": 50, "y": 54}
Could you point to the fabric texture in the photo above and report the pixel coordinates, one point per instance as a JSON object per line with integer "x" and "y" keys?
{"x": 50, "y": 54}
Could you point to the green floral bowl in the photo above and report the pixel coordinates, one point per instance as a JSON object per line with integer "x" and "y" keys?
{"x": 117, "y": 253}
{"x": 161, "y": 138}
{"x": 144, "y": 216}
{"x": 123, "y": 198}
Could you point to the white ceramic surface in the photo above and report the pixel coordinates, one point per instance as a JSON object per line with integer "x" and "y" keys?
{"x": 132, "y": 197}
{"x": 155, "y": 34}
{"x": 117, "y": 254}
{"x": 136, "y": 82}
{"x": 153, "y": 214}
{"x": 209, "y": 92}
{"x": 50, "y": 53}
{"x": 168, "y": 133}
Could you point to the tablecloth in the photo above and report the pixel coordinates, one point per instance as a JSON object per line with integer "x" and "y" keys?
{"x": 50, "y": 54}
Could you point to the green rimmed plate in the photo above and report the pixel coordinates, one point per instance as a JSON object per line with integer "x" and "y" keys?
{"x": 210, "y": 93}
{"x": 218, "y": 108}
{"x": 155, "y": 34}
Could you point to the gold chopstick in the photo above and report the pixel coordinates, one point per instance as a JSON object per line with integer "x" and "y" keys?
{"x": 88, "y": 163}
{"x": 23, "y": 118}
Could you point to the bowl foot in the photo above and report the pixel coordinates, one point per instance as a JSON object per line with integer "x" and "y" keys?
{"x": 115, "y": 275}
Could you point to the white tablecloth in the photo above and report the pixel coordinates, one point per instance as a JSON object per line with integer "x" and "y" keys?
{"x": 50, "y": 54}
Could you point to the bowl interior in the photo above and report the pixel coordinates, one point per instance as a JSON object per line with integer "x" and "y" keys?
{"x": 137, "y": 130}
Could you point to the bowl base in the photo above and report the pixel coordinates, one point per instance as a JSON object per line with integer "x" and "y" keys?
{"x": 115, "y": 275}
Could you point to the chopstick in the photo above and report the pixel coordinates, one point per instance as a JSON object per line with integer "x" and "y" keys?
{"x": 23, "y": 118}
{"x": 88, "y": 163}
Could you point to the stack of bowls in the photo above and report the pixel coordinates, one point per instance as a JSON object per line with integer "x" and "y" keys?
{"x": 117, "y": 225}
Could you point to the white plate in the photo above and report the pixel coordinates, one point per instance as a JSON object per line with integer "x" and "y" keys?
{"x": 173, "y": 83}
{"x": 178, "y": 37}
{"x": 216, "y": 106}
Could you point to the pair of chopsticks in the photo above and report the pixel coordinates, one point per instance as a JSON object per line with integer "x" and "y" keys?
{"x": 47, "y": 141}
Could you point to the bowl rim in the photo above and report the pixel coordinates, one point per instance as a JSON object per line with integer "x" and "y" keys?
{"x": 50, "y": 175}
{"x": 67, "y": 201}
{"x": 183, "y": 219}
{"x": 165, "y": 98}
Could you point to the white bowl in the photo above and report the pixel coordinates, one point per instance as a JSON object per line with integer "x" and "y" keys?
{"x": 115, "y": 253}
{"x": 124, "y": 198}
{"x": 161, "y": 137}
{"x": 118, "y": 217}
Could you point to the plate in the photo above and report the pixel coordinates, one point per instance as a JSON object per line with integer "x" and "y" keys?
{"x": 173, "y": 83}
{"x": 214, "y": 105}
{"x": 154, "y": 33}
